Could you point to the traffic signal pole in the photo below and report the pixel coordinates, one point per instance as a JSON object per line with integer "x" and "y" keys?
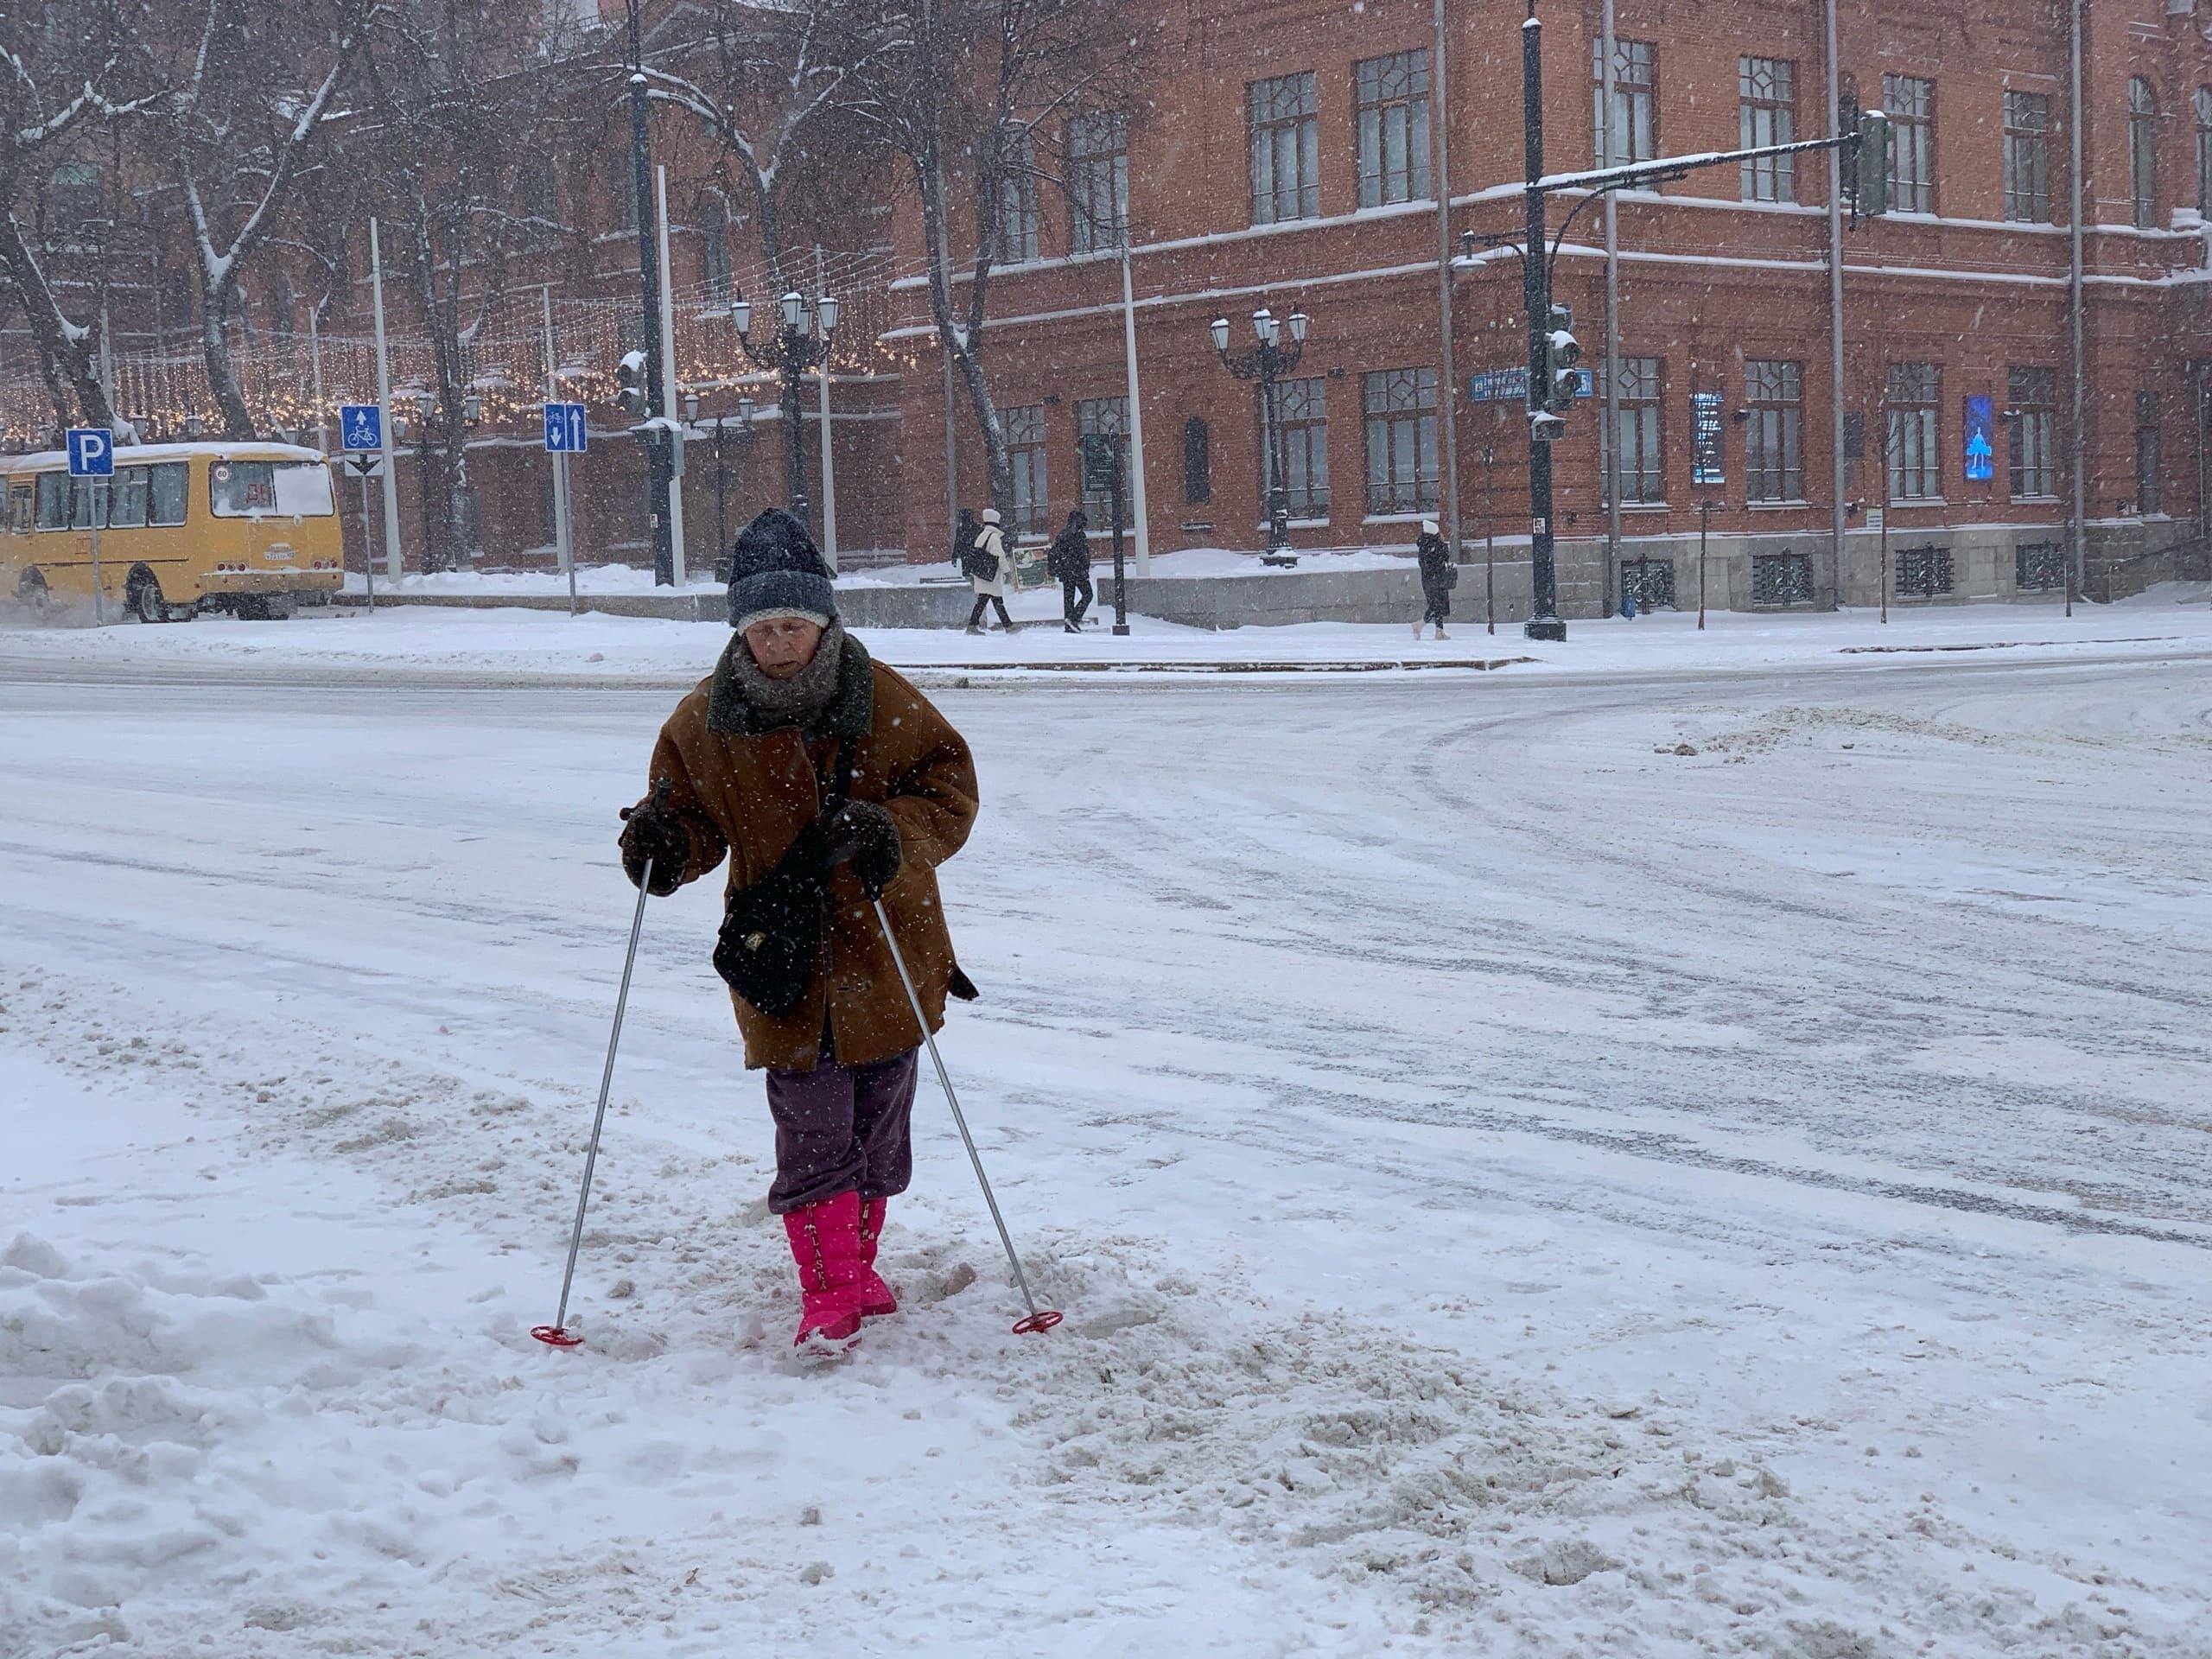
{"x": 1536, "y": 294}
{"x": 657, "y": 438}
{"x": 1552, "y": 351}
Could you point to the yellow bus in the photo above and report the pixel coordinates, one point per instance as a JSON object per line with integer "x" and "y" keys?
{"x": 248, "y": 528}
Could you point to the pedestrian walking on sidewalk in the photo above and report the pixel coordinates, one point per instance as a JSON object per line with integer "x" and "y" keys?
{"x": 965, "y": 529}
{"x": 1438, "y": 576}
{"x": 1070, "y": 561}
{"x": 990, "y": 573}
{"x": 828, "y": 782}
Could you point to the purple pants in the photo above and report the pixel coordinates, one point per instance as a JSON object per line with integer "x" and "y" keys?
{"x": 842, "y": 1128}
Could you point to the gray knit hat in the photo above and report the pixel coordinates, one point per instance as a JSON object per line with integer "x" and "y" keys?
{"x": 775, "y": 569}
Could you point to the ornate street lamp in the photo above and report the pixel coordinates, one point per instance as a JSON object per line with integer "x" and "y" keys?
{"x": 801, "y": 344}
{"x": 1279, "y": 344}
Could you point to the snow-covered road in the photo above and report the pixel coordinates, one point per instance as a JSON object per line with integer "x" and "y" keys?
{"x": 1640, "y": 1166}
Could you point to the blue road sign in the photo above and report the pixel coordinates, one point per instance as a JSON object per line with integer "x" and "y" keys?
{"x": 1511, "y": 385}
{"x": 92, "y": 452}
{"x": 1981, "y": 449}
{"x": 566, "y": 433}
{"x": 360, "y": 426}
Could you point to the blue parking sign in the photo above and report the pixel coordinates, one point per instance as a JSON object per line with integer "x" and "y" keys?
{"x": 360, "y": 426}
{"x": 566, "y": 433}
{"x": 92, "y": 452}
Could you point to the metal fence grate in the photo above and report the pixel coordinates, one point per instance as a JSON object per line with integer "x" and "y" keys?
{"x": 1782, "y": 578}
{"x": 2038, "y": 567}
{"x": 1923, "y": 572}
{"x": 1649, "y": 582}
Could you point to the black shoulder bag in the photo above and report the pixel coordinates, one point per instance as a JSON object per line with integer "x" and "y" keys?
{"x": 771, "y": 943}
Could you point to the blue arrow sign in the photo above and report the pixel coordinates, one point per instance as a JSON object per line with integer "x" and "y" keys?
{"x": 1982, "y": 453}
{"x": 92, "y": 452}
{"x": 566, "y": 431}
{"x": 360, "y": 426}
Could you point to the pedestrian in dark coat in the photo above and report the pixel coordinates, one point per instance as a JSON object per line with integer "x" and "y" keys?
{"x": 965, "y": 529}
{"x": 829, "y": 783}
{"x": 1070, "y": 561}
{"x": 1438, "y": 578}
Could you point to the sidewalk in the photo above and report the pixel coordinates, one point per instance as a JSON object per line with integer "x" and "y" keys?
{"x": 538, "y": 643}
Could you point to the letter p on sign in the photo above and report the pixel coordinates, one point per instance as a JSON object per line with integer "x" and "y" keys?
{"x": 92, "y": 452}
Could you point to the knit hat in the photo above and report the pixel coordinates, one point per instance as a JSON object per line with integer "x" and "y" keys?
{"x": 776, "y": 570}
{"x": 991, "y": 515}
{"x": 1429, "y": 527}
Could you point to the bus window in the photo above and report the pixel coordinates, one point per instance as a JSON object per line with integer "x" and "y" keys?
{"x": 165, "y": 502}
{"x": 84, "y": 494}
{"x": 126, "y": 499}
{"x": 53, "y": 500}
{"x": 19, "y": 509}
{"x": 241, "y": 489}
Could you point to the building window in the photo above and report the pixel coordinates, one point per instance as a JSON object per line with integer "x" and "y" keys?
{"x": 1910, "y": 103}
{"x": 2038, "y": 567}
{"x": 1302, "y": 420}
{"x": 1098, "y": 180}
{"x": 1025, "y": 446}
{"x": 1018, "y": 203}
{"x": 2143, "y": 152}
{"x": 1766, "y": 106}
{"x": 1636, "y": 99}
{"x": 2147, "y": 497}
{"x": 1392, "y": 95}
{"x": 1923, "y": 572}
{"x": 1198, "y": 462}
{"x": 2203, "y": 100}
{"x": 1400, "y": 407}
{"x": 2031, "y": 399}
{"x": 1782, "y": 578}
{"x": 2027, "y": 158}
{"x": 714, "y": 253}
{"x": 1774, "y": 467}
{"x": 73, "y": 195}
{"x": 1101, "y": 417}
{"x": 1649, "y": 582}
{"x": 1915, "y": 463}
{"x": 1286, "y": 149}
{"x": 1636, "y": 435}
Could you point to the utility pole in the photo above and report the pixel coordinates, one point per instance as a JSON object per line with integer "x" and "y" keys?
{"x": 1837, "y": 506}
{"x": 1440, "y": 168}
{"x": 657, "y": 444}
{"x": 1609, "y": 448}
{"x": 1536, "y": 283}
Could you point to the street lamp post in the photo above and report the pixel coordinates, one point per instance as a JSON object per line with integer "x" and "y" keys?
{"x": 743, "y": 419}
{"x": 1279, "y": 344}
{"x": 804, "y": 331}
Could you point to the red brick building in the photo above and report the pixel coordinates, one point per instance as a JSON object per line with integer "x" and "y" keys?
{"x": 1281, "y": 158}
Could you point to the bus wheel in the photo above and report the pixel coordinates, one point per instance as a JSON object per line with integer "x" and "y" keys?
{"x": 32, "y": 593}
{"x": 146, "y": 602}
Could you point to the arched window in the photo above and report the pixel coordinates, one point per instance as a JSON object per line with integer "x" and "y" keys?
{"x": 2203, "y": 102}
{"x": 73, "y": 195}
{"x": 2143, "y": 152}
{"x": 714, "y": 251}
{"x": 1198, "y": 462}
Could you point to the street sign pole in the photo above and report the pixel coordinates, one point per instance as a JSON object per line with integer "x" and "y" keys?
{"x": 368, "y": 545}
{"x": 92, "y": 456}
{"x": 99, "y": 597}
{"x": 562, "y": 528}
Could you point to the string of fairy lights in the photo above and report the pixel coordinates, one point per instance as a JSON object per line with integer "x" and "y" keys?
{"x": 501, "y": 361}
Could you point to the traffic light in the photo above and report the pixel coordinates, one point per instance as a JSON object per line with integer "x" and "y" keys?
{"x": 1562, "y": 379}
{"x": 1871, "y": 165}
{"x": 629, "y": 383}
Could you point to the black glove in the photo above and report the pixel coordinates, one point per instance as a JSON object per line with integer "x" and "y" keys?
{"x": 654, "y": 831}
{"x": 862, "y": 834}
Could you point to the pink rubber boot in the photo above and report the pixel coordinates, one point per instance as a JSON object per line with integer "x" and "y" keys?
{"x": 875, "y": 1297}
{"x": 825, "y": 1240}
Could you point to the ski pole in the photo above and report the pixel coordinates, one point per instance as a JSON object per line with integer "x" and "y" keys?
{"x": 1039, "y": 1318}
{"x": 557, "y": 1334}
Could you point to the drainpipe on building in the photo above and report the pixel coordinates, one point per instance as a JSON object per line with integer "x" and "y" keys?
{"x": 2076, "y": 533}
{"x": 1439, "y": 143}
{"x": 1609, "y": 439}
{"x": 1836, "y": 463}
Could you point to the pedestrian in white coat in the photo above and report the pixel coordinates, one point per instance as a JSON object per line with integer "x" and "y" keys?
{"x": 990, "y": 573}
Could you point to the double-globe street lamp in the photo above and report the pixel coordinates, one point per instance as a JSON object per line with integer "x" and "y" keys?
{"x": 1280, "y": 343}
{"x": 801, "y": 344}
{"x": 743, "y": 419}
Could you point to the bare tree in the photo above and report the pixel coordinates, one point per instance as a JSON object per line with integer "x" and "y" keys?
{"x": 457, "y": 123}
{"x": 763, "y": 80}
{"x": 250, "y": 107}
{"x": 60, "y": 86}
{"x": 970, "y": 102}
